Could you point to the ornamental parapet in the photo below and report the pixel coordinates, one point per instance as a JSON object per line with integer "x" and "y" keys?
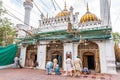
{"x": 90, "y": 24}
{"x": 56, "y": 20}
{"x": 100, "y": 27}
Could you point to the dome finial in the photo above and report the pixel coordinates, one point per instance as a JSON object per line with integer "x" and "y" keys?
{"x": 30, "y": 1}
{"x": 64, "y": 12}
{"x": 47, "y": 16}
{"x": 87, "y": 8}
{"x": 65, "y": 5}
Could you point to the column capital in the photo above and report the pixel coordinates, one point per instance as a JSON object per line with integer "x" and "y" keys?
{"x": 28, "y": 5}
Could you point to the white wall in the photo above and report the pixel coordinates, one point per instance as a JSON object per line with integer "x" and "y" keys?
{"x": 75, "y": 50}
{"x": 107, "y": 56}
{"x": 23, "y": 56}
{"x": 102, "y": 55}
{"x": 110, "y": 57}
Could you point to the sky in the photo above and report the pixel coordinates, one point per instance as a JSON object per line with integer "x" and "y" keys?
{"x": 46, "y": 7}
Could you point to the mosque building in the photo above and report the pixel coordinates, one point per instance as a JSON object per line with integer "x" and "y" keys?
{"x": 65, "y": 35}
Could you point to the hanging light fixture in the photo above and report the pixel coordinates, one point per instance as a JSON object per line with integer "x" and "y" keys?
{"x": 86, "y": 42}
{"x": 81, "y": 41}
{"x": 56, "y": 45}
{"x": 48, "y": 45}
{"x": 54, "y": 41}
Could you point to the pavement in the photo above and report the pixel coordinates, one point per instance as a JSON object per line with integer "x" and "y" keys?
{"x": 37, "y": 74}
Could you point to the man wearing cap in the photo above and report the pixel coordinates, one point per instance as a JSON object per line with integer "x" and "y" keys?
{"x": 77, "y": 66}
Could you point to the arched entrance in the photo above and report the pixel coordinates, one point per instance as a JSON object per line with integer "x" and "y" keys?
{"x": 89, "y": 54}
{"x": 58, "y": 56}
{"x": 55, "y": 50}
{"x": 31, "y": 55}
{"x": 89, "y": 60}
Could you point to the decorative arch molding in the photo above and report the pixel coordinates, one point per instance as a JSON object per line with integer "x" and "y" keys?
{"x": 55, "y": 50}
{"x": 50, "y": 52}
{"x": 89, "y": 49}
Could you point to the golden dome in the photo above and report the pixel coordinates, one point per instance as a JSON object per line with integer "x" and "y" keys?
{"x": 88, "y": 17}
{"x": 65, "y": 12}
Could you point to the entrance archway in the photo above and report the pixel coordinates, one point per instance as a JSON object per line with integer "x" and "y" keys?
{"x": 55, "y": 50}
{"x": 58, "y": 56}
{"x": 31, "y": 56}
{"x": 89, "y": 54}
{"x": 89, "y": 60}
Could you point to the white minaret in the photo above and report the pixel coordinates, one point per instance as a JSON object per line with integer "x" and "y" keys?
{"x": 108, "y": 59}
{"x": 28, "y": 6}
{"x": 105, "y": 12}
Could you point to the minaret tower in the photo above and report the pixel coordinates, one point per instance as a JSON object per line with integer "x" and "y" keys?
{"x": 28, "y": 6}
{"x": 108, "y": 59}
{"x": 105, "y": 12}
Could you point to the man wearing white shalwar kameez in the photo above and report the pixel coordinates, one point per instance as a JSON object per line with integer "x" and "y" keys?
{"x": 68, "y": 66}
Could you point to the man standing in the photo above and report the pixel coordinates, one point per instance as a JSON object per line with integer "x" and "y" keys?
{"x": 78, "y": 66}
{"x": 69, "y": 66}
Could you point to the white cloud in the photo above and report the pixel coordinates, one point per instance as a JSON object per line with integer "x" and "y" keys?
{"x": 16, "y": 7}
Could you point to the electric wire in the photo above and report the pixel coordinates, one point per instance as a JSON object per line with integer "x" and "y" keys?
{"x": 58, "y": 5}
{"x": 53, "y": 4}
{"x": 9, "y": 7}
{"x": 37, "y": 7}
{"x": 12, "y": 15}
{"x": 42, "y": 13}
{"x": 46, "y": 9}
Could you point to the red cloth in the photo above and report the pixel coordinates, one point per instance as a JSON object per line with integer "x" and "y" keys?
{"x": 73, "y": 72}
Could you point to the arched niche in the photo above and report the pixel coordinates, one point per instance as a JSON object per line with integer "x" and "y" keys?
{"x": 31, "y": 55}
{"x": 55, "y": 50}
{"x": 89, "y": 54}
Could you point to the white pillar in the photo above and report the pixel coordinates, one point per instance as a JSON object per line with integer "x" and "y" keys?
{"x": 68, "y": 47}
{"x": 71, "y": 15}
{"x": 102, "y": 55}
{"x": 75, "y": 50}
{"x": 107, "y": 56}
{"x": 41, "y": 56}
{"x": 23, "y": 56}
{"x": 76, "y": 17}
{"x": 105, "y": 12}
{"x": 110, "y": 57}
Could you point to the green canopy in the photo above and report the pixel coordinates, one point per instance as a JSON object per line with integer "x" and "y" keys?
{"x": 7, "y": 54}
